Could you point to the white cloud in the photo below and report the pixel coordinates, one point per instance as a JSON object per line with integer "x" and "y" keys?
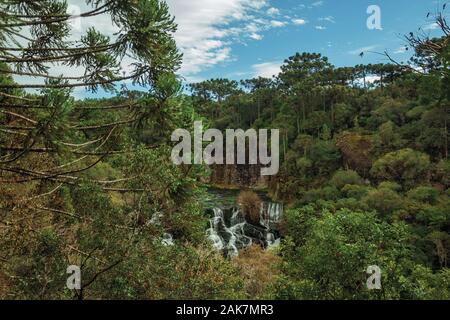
{"x": 299, "y": 22}
{"x": 277, "y": 24}
{"x": 273, "y": 11}
{"x": 266, "y": 69}
{"x": 203, "y": 22}
{"x": 207, "y": 29}
{"x": 317, "y": 4}
{"x": 363, "y": 49}
{"x": 194, "y": 79}
{"x": 256, "y": 36}
{"x": 328, "y": 19}
{"x": 369, "y": 80}
{"x": 431, "y": 26}
{"x": 320, "y": 28}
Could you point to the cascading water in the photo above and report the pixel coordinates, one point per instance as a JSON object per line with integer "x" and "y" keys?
{"x": 270, "y": 214}
{"x": 215, "y": 226}
{"x": 230, "y": 232}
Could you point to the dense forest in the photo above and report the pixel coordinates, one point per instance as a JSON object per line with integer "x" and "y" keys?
{"x": 364, "y": 176}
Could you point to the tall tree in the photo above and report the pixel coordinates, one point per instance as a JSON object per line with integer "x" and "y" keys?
{"x": 37, "y": 42}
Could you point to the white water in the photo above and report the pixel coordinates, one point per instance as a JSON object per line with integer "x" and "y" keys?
{"x": 270, "y": 214}
{"x": 232, "y": 234}
{"x": 167, "y": 240}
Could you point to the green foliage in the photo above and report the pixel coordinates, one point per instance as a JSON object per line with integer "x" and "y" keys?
{"x": 390, "y": 185}
{"x": 424, "y": 195}
{"x": 326, "y": 193}
{"x": 325, "y": 157}
{"x": 406, "y": 166}
{"x": 342, "y": 178}
{"x": 172, "y": 273}
{"x": 41, "y": 269}
{"x": 385, "y": 201}
{"x": 426, "y": 285}
{"x": 355, "y": 191}
{"x": 327, "y": 255}
{"x": 443, "y": 171}
{"x": 91, "y": 182}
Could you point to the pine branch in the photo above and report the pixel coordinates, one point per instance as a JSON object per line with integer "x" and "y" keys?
{"x": 58, "y": 19}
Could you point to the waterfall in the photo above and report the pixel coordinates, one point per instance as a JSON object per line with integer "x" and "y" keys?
{"x": 228, "y": 237}
{"x": 229, "y": 231}
{"x": 167, "y": 239}
{"x": 270, "y": 214}
{"x": 237, "y": 217}
{"x": 213, "y": 231}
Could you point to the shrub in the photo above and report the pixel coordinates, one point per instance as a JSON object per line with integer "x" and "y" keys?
{"x": 259, "y": 269}
{"x": 424, "y": 194}
{"x": 356, "y": 192}
{"x": 356, "y": 151}
{"x": 390, "y": 185}
{"x": 314, "y": 195}
{"x": 352, "y": 204}
{"x": 406, "y": 166}
{"x": 346, "y": 241}
{"x": 443, "y": 172}
{"x": 325, "y": 157}
{"x": 250, "y": 204}
{"x": 341, "y": 178}
{"x": 173, "y": 272}
{"x": 384, "y": 201}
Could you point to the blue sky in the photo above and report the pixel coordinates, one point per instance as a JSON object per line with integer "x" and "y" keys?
{"x": 246, "y": 38}
{"x": 241, "y": 39}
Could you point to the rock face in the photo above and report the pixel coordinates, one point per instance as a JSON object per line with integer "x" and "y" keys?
{"x": 238, "y": 176}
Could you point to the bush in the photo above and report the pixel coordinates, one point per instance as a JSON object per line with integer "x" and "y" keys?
{"x": 325, "y": 157}
{"x": 314, "y": 195}
{"x": 328, "y": 256}
{"x": 352, "y": 204}
{"x": 259, "y": 269}
{"x": 356, "y": 150}
{"x": 172, "y": 272}
{"x": 443, "y": 172}
{"x": 250, "y": 204}
{"x": 384, "y": 201}
{"x": 406, "y": 166}
{"x": 424, "y": 194}
{"x": 356, "y": 192}
{"x": 424, "y": 284}
{"x": 342, "y": 178}
{"x": 390, "y": 185}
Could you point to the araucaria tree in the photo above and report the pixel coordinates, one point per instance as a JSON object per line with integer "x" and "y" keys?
{"x": 78, "y": 180}
{"x": 37, "y": 42}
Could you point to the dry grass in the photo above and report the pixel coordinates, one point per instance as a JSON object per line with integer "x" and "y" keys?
{"x": 250, "y": 204}
{"x": 259, "y": 269}
{"x": 4, "y": 285}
